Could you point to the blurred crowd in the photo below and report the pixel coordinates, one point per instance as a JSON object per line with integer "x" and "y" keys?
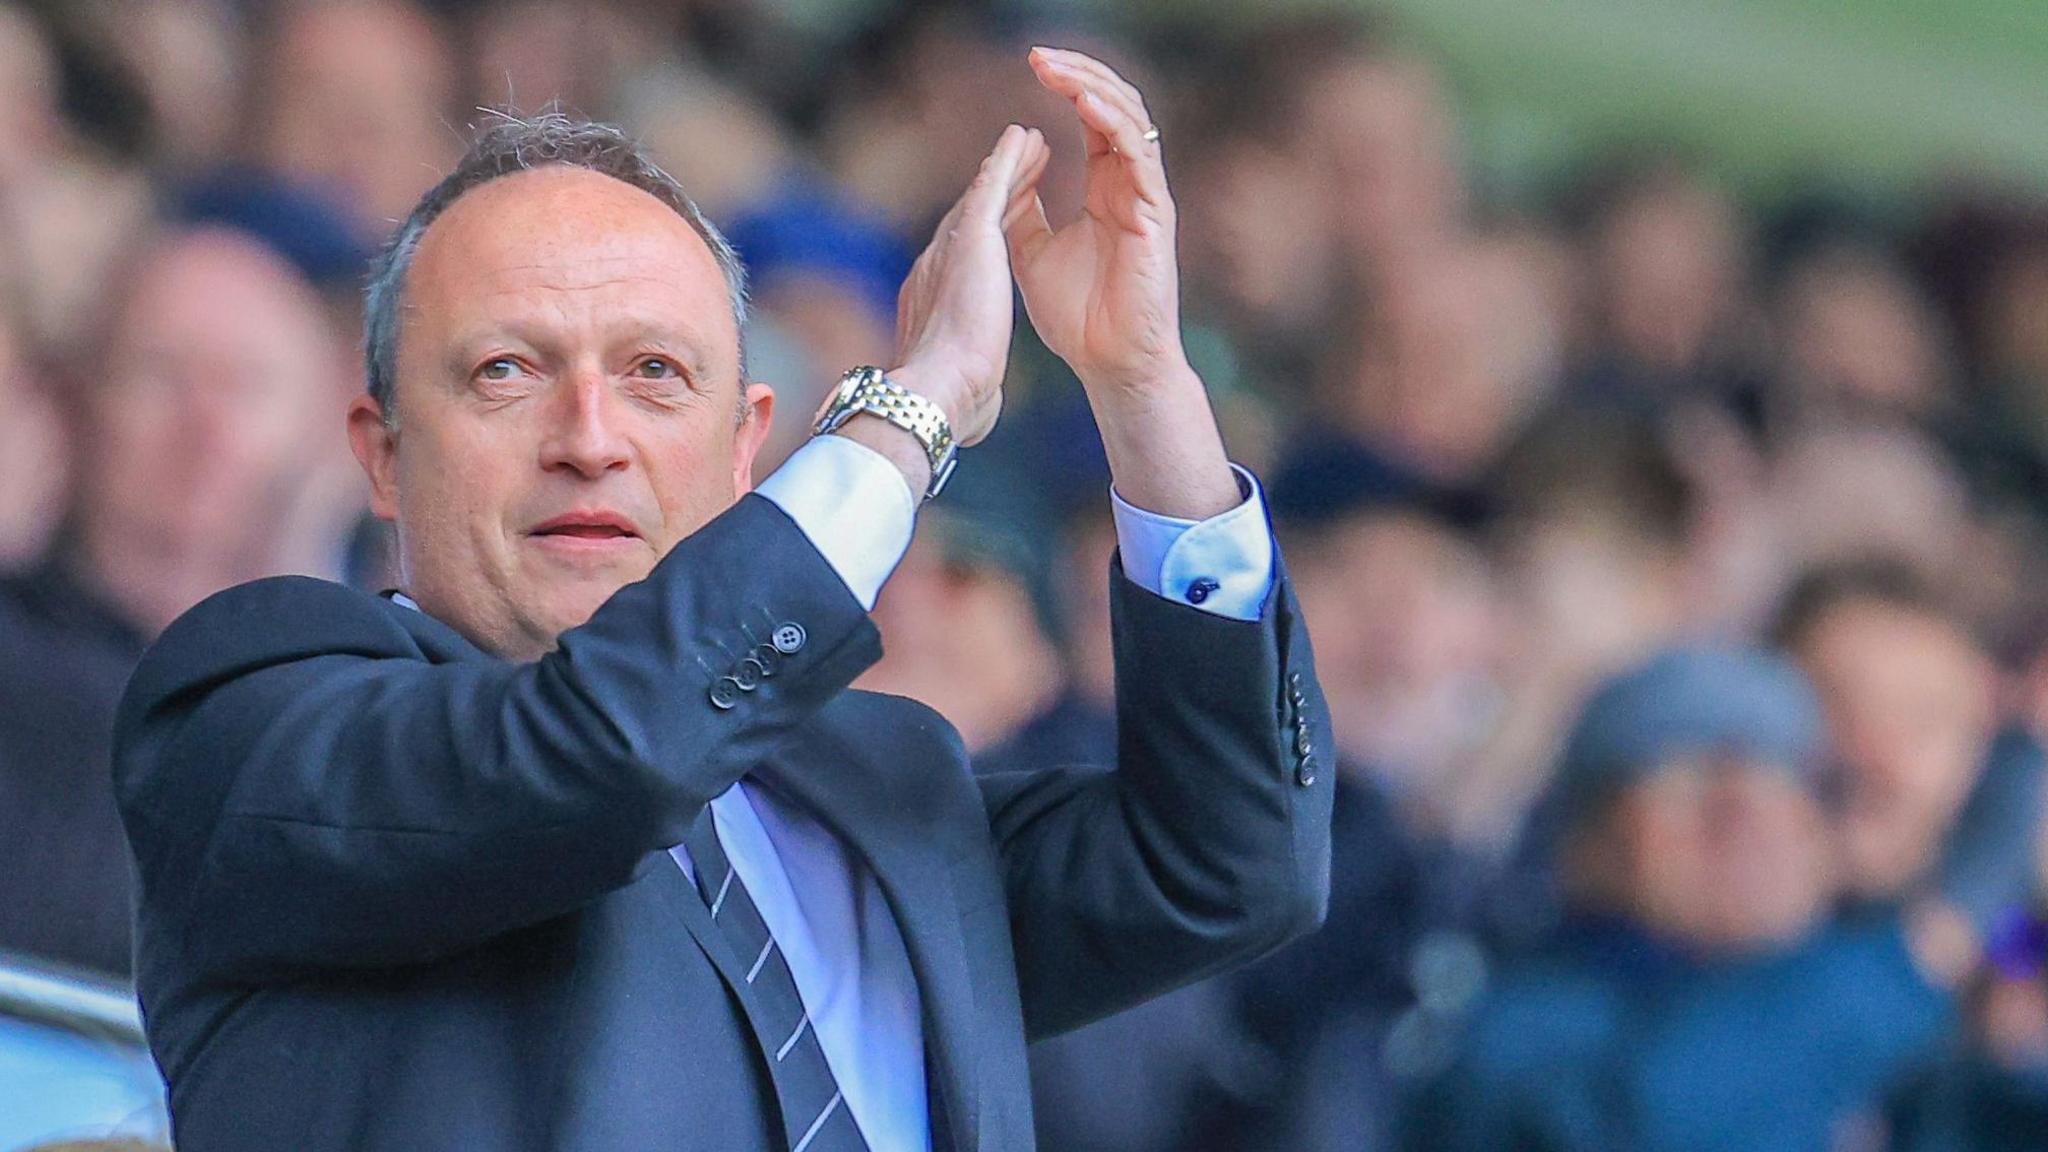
{"x": 1674, "y": 562}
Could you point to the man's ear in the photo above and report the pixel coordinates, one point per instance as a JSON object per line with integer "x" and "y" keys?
{"x": 757, "y": 412}
{"x": 375, "y": 444}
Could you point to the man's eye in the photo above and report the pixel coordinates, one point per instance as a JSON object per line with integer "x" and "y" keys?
{"x": 502, "y": 368}
{"x": 656, "y": 368}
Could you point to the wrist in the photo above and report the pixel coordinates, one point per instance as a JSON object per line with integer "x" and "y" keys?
{"x": 942, "y": 388}
{"x": 894, "y": 444}
{"x": 1168, "y": 379}
{"x": 1165, "y": 453}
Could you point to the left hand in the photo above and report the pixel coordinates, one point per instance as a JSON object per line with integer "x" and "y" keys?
{"x": 1103, "y": 291}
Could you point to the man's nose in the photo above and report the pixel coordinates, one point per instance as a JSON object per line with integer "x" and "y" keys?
{"x": 585, "y": 433}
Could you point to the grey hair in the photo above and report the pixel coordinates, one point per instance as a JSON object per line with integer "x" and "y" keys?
{"x": 510, "y": 144}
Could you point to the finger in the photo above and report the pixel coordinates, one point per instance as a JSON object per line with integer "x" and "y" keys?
{"x": 1095, "y": 75}
{"x": 1126, "y": 137}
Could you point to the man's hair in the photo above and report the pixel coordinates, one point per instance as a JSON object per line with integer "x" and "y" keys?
{"x": 1882, "y": 581}
{"x": 1617, "y": 465}
{"x": 509, "y": 144}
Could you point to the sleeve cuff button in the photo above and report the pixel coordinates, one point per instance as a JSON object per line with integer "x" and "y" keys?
{"x": 1200, "y": 589}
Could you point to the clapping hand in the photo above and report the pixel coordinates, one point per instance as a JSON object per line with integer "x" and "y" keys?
{"x": 1103, "y": 291}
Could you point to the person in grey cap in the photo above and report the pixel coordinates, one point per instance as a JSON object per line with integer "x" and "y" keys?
{"x": 1701, "y": 992}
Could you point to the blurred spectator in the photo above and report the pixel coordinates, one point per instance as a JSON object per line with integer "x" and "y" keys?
{"x": 1258, "y": 257}
{"x": 187, "y": 59}
{"x": 528, "y": 54}
{"x": 1909, "y": 699}
{"x": 938, "y": 86}
{"x": 1404, "y": 603}
{"x": 1669, "y": 258}
{"x": 1699, "y": 996}
{"x": 1860, "y": 337}
{"x": 1993, "y": 1096}
{"x": 1375, "y": 127}
{"x": 69, "y": 204}
{"x": 1842, "y": 491}
{"x": 726, "y": 148}
{"x": 355, "y": 99}
{"x": 1600, "y": 554}
{"x": 968, "y": 626}
{"x": 1457, "y": 353}
{"x": 208, "y": 458}
{"x": 34, "y": 452}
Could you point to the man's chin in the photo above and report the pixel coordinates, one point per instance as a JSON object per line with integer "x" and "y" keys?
{"x": 569, "y": 602}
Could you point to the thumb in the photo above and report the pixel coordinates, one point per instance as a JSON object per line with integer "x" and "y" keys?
{"x": 989, "y": 195}
{"x": 1024, "y": 224}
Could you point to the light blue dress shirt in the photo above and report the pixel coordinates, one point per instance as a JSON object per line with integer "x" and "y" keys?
{"x": 826, "y": 909}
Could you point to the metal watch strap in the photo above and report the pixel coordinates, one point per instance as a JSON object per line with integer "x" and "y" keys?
{"x": 866, "y": 390}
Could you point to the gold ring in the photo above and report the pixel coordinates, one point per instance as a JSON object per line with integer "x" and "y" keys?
{"x": 1152, "y": 135}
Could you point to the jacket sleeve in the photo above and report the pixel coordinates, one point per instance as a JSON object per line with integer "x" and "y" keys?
{"x": 1206, "y": 846}
{"x": 302, "y": 787}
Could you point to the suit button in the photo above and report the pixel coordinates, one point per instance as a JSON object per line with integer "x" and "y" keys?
{"x": 1294, "y": 681}
{"x": 767, "y": 657}
{"x": 788, "y": 637}
{"x": 1305, "y": 772}
{"x": 725, "y": 693}
{"x": 748, "y": 674}
{"x": 1303, "y": 746}
{"x": 1200, "y": 589}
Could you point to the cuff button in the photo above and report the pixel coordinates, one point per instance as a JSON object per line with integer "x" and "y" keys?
{"x": 725, "y": 693}
{"x": 1305, "y": 772}
{"x": 788, "y": 637}
{"x": 1201, "y": 589}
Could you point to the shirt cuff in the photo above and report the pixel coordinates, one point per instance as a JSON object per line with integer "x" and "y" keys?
{"x": 1222, "y": 565}
{"x": 852, "y": 504}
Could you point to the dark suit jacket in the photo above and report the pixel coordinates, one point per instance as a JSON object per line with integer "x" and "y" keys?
{"x": 398, "y": 894}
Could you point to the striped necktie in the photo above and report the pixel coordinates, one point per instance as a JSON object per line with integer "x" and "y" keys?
{"x": 814, "y": 1113}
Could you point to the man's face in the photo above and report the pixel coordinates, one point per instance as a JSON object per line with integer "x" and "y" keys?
{"x": 569, "y": 404}
{"x": 1910, "y": 714}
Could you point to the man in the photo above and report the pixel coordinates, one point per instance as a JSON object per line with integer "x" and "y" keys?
{"x": 1701, "y": 994}
{"x": 352, "y": 100}
{"x": 580, "y": 842}
{"x": 1911, "y": 701}
{"x": 203, "y": 415}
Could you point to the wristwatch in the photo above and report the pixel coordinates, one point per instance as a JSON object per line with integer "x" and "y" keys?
{"x": 865, "y": 389}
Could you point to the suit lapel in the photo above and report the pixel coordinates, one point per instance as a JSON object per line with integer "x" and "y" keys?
{"x": 855, "y": 796}
{"x": 683, "y": 900}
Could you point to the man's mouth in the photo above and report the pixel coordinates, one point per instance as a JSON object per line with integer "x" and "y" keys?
{"x": 586, "y": 526}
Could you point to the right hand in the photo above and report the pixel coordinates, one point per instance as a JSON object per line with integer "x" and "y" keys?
{"x": 954, "y": 314}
